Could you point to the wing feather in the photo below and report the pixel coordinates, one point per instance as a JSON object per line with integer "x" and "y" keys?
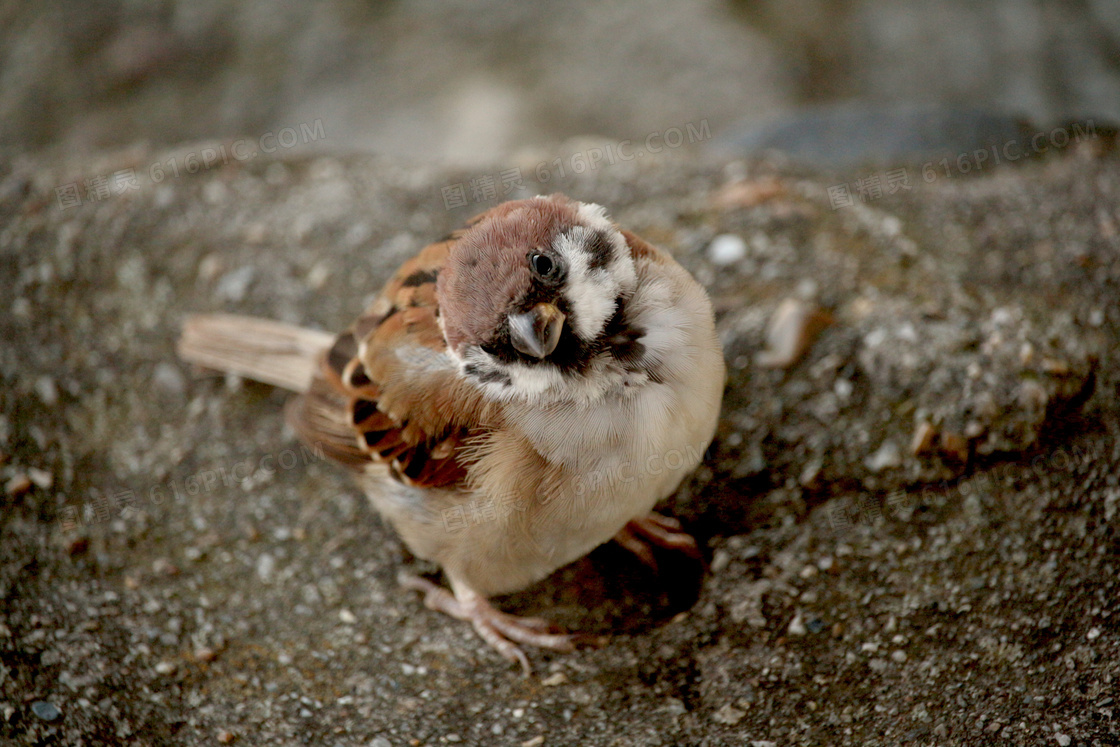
{"x": 387, "y": 391}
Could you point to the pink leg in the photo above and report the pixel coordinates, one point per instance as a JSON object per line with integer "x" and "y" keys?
{"x": 657, "y": 530}
{"x": 500, "y": 630}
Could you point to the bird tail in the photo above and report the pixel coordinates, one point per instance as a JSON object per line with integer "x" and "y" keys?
{"x": 271, "y": 352}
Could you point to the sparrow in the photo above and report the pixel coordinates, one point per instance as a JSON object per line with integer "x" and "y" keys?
{"x": 519, "y": 393}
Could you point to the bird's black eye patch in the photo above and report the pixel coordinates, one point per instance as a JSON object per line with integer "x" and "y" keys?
{"x": 546, "y": 267}
{"x": 600, "y": 250}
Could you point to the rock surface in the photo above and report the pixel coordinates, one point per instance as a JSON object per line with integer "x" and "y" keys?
{"x": 910, "y": 526}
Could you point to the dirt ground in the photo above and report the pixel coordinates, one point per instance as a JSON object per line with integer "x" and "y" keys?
{"x": 910, "y": 531}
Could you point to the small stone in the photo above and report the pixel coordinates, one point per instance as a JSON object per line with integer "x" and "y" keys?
{"x": 720, "y": 560}
{"x": 204, "y": 653}
{"x": 234, "y": 285}
{"x": 536, "y": 741}
{"x": 554, "y": 680}
{"x": 791, "y": 330}
{"x": 40, "y": 477}
{"x": 1063, "y": 739}
{"x": 898, "y": 656}
{"x": 727, "y": 249}
{"x": 453, "y": 737}
{"x": 165, "y": 668}
{"x": 47, "y": 390}
{"x": 18, "y": 485}
{"x": 886, "y": 456}
{"x": 924, "y": 437}
{"x": 266, "y": 567}
{"x": 167, "y": 378}
{"x": 318, "y": 275}
{"x": 226, "y": 737}
{"x": 1093, "y": 634}
{"x": 209, "y": 267}
{"x": 815, "y": 625}
{"x": 797, "y": 626}
{"x": 763, "y": 743}
{"x": 729, "y": 715}
{"x": 46, "y": 711}
{"x": 21, "y": 308}
{"x": 347, "y": 617}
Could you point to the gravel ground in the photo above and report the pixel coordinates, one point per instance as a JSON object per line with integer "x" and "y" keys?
{"x": 909, "y": 514}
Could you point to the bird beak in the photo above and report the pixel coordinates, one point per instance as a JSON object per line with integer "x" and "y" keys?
{"x": 537, "y": 331}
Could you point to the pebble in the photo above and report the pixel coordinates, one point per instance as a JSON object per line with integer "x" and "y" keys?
{"x": 727, "y": 249}
{"x": 729, "y": 715}
{"x": 923, "y": 440}
{"x": 168, "y": 379}
{"x": 554, "y": 680}
{"x": 204, "y": 653}
{"x": 18, "y": 485}
{"x": 47, "y": 390}
{"x": 234, "y": 285}
{"x": 791, "y": 330}
{"x": 40, "y": 477}
{"x": 536, "y": 741}
{"x": 46, "y": 711}
{"x": 1093, "y": 634}
{"x": 720, "y": 560}
{"x": 898, "y": 656}
{"x": 885, "y": 457}
{"x": 347, "y": 617}
{"x": 797, "y": 626}
{"x": 165, "y": 667}
{"x": 1063, "y": 739}
{"x": 226, "y": 737}
{"x": 266, "y": 567}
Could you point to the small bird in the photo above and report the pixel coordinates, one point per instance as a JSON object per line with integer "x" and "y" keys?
{"x": 519, "y": 393}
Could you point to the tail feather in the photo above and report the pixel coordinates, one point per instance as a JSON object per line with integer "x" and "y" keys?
{"x": 270, "y": 352}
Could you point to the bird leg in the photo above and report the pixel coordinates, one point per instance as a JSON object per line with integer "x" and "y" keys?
{"x": 659, "y": 531}
{"x": 501, "y": 630}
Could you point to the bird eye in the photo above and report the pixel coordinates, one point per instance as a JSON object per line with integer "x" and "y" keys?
{"x": 542, "y": 265}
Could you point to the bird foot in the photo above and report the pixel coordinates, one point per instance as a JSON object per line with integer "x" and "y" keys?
{"x": 656, "y": 530}
{"x": 501, "y": 630}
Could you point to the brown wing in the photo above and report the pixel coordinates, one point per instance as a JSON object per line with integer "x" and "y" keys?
{"x": 387, "y": 390}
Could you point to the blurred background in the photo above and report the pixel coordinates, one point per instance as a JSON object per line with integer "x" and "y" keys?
{"x": 474, "y": 82}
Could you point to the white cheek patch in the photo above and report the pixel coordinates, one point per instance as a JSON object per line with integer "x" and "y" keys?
{"x": 592, "y": 293}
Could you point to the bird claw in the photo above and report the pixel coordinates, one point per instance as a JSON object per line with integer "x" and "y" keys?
{"x": 660, "y": 531}
{"x": 501, "y": 630}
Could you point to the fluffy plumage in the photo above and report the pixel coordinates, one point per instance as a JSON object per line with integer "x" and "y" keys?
{"x": 518, "y": 394}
